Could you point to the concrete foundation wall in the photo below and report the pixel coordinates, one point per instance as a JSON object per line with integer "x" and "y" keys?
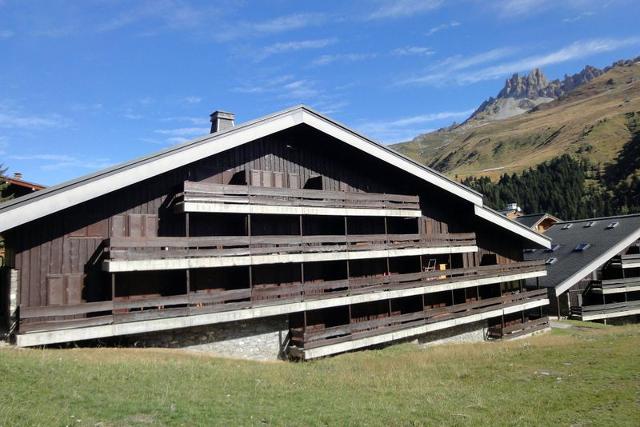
{"x": 472, "y": 332}
{"x": 255, "y": 339}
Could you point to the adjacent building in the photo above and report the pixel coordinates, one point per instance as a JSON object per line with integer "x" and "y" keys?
{"x": 539, "y": 222}
{"x": 290, "y": 235}
{"x": 593, "y": 268}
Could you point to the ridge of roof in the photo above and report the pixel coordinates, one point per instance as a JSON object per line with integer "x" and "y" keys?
{"x": 139, "y": 160}
{"x": 206, "y": 138}
{"x": 601, "y": 218}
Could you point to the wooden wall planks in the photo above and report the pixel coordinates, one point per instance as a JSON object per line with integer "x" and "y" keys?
{"x": 68, "y": 242}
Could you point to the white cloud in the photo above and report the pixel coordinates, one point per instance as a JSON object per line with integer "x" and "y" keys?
{"x": 9, "y": 119}
{"x": 300, "y": 90}
{"x": 284, "y": 47}
{"x": 448, "y": 67}
{"x": 166, "y": 14}
{"x": 517, "y": 8}
{"x": 442, "y": 27}
{"x": 288, "y": 23}
{"x": 578, "y": 17}
{"x": 192, "y": 120}
{"x": 405, "y": 128}
{"x": 192, "y": 99}
{"x": 577, "y": 50}
{"x": 343, "y": 57}
{"x": 61, "y": 161}
{"x": 413, "y": 51}
{"x": 280, "y": 24}
{"x": 178, "y": 135}
{"x": 456, "y": 69}
{"x": 191, "y": 131}
{"x": 264, "y": 86}
{"x": 390, "y": 9}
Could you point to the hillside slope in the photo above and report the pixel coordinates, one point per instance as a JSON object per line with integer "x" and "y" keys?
{"x": 593, "y": 121}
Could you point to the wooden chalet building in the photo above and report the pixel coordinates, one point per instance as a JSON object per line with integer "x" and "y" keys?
{"x": 539, "y": 222}
{"x": 292, "y": 234}
{"x": 593, "y": 268}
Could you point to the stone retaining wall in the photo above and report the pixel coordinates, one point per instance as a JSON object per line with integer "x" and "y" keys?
{"x": 256, "y": 339}
{"x": 472, "y": 332}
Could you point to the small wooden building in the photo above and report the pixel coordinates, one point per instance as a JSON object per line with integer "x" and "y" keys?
{"x": 539, "y": 222}
{"x": 291, "y": 226}
{"x": 593, "y": 268}
{"x": 17, "y": 186}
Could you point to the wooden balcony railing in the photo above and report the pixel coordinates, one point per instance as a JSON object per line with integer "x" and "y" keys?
{"x": 145, "y": 307}
{"x": 626, "y": 261}
{"x": 184, "y": 248}
{"x": 615, "y": 286}
{"x": 318, "y": 337}
{"x": 206, "y": 197}
{"x": 518, "y": 328}
{"x": 603, "y": 311}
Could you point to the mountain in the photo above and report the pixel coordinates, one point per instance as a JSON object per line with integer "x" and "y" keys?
{"x": 589, "y": 115}
{"x": 522, "y": 93}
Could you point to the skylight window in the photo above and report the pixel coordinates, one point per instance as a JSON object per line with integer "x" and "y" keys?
{"x": 582, "y": 247}
{"x": 590, "y": 224}
{"x": 567, "y": 226}
{"x": 554, "y": 247}
{"x": 613, "y": 224}
{"x": 551, "y": 261}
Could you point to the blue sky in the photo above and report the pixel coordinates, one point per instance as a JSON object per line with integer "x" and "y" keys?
{"x": 89, "y": 83}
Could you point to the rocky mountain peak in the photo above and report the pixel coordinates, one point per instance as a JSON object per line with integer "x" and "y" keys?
{"x": 530, "y": 86}
{"x": 521, "y": 93}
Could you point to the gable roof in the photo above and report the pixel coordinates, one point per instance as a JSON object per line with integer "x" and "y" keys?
{"x": 571, "y": 266}
{"x": 33, "y": 206}
{"x": 532, "y": 220}
{"x": 21, "y": 183}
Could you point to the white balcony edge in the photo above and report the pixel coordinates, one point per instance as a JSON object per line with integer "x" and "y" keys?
{"x": 328, "y": 350}
{"x": 214, "y": 207}
{"x": 137, "y": 327}
{"x": 115, "y": 266}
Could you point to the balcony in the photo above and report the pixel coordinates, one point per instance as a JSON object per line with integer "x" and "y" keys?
{"x": 174, "y": 253}
{"x": 515, "y": 329}
{"x": 626, "y": 261}
{"x": 244, "y": 199}
{"x": 347, "y": 337}
{"x": 605, "y": 311}
{"x": 615, "y": 286}
{"x": 219, "y": 305}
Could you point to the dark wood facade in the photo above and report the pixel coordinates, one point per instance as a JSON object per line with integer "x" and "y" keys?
{"x": 61, "y": 258}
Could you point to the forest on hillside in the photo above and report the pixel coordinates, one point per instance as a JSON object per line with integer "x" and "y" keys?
{"x": 570, "y": 188}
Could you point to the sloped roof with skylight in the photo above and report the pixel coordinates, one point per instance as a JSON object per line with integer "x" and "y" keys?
{"x": 580, "y": 247}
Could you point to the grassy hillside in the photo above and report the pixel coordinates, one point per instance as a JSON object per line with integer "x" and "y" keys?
{"x": 594, "y": 122}
{"x": 579, "y": 376}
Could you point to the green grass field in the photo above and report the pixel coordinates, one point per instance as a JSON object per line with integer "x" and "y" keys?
{"x": 572, "y": 377}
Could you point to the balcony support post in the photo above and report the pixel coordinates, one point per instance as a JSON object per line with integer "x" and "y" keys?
{"x": 187, "y": 271}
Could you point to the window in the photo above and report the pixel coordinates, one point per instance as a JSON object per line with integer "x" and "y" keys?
{"x": 590, "y": 224}
{"x": 567, "y": 226}
{"x": 582, "y": 247}
{"x": 554, "y": 247}
{"x": 551, "y": 261}
{"x": 613, "y": 224}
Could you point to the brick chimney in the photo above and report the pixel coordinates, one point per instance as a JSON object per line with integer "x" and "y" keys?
{"x": 221, "y": 120}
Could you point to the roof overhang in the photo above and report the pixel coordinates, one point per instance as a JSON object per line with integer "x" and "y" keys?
{"x": 590, "y": 267}
{"x": 56, "y": 198}
{"x": 513, "y": 226}
{"x": 53, "y": 199}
